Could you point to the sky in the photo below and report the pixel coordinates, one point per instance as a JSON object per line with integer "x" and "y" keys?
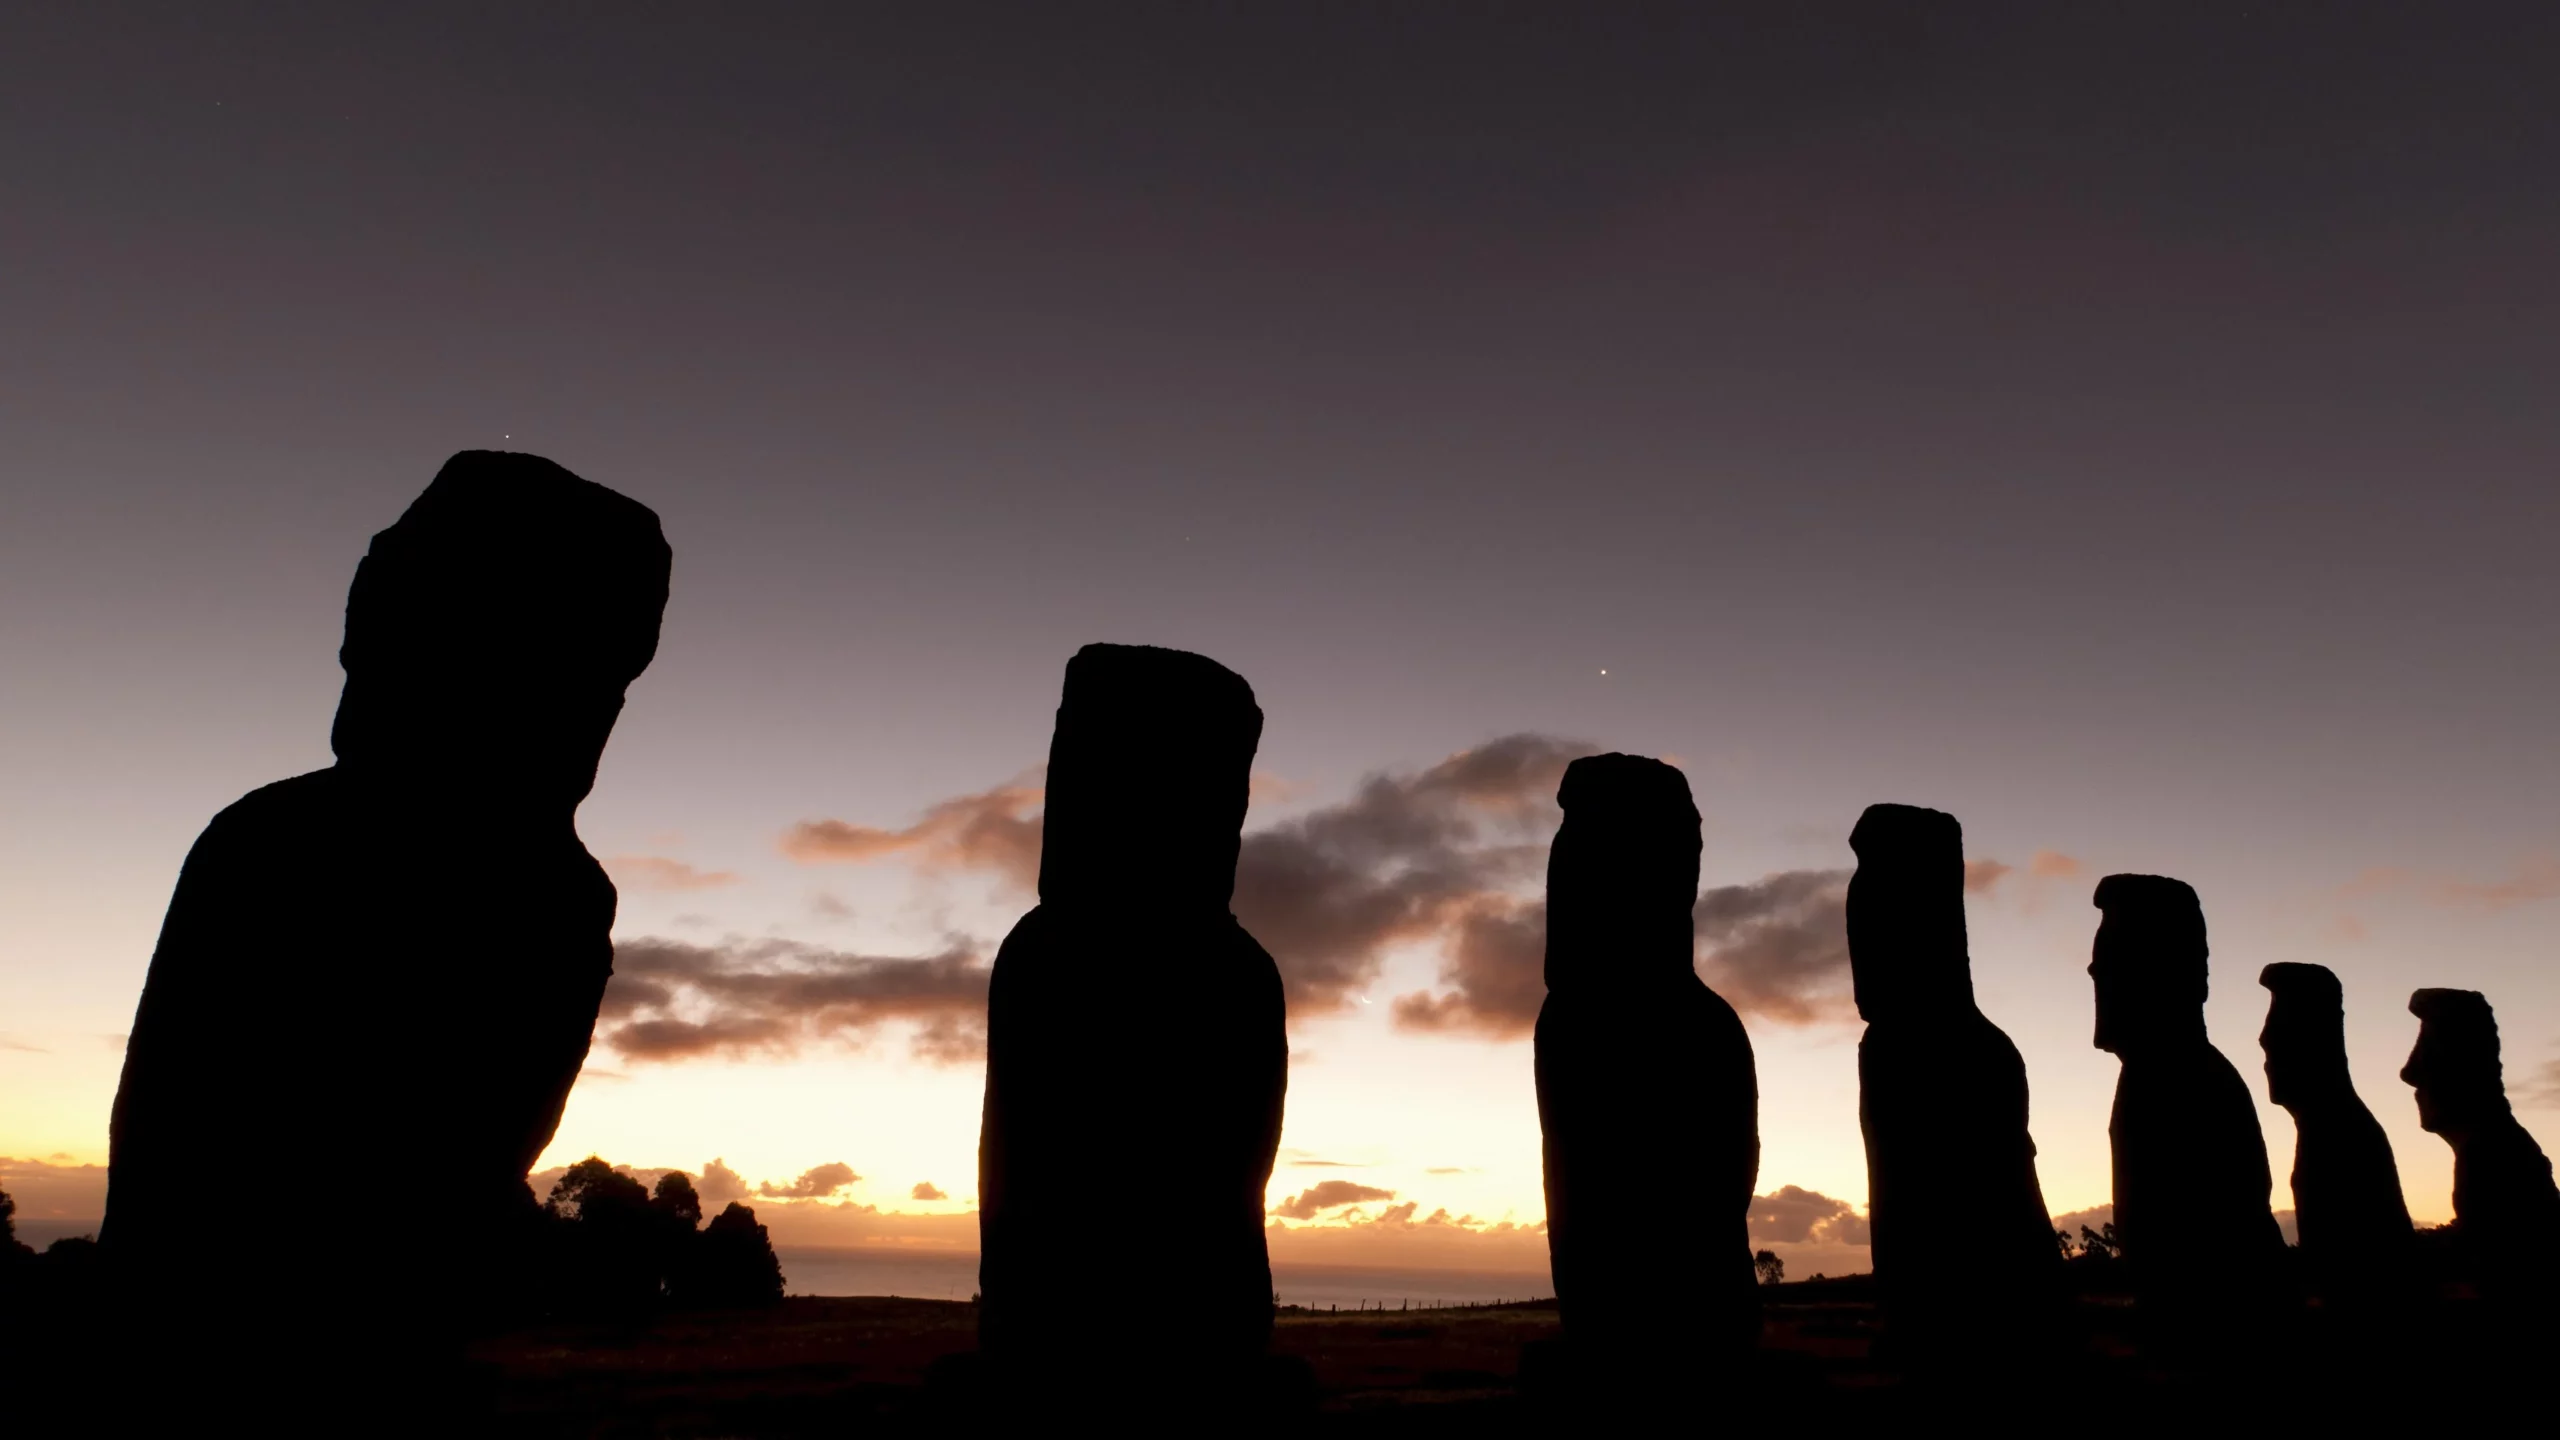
{"x": 2129, "y": 430}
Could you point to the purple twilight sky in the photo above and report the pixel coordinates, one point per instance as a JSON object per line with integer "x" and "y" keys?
{"x": 2131, "y": 429}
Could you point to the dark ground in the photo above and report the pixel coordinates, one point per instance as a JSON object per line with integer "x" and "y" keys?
{"x": 834, "y": 1366}
{"x": 850, "y": 1366}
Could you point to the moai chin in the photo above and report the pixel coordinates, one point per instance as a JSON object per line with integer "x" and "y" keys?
{"x": 2356, "y": 1240}
{"x": 2191, "y": 1175}
{"x": 411, "y": 943}
{"x": 1645, "y": 1085}
{"x": 1964, "y": 1250}
{"x": 1130, "y": 1014}
{"x": 2505, "y": 1207}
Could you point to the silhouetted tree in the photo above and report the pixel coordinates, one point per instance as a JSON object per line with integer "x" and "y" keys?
{"x": 733, "y": 1263}
{"x": 677, "y": 1200}
{"x": 611, "y": 1249}
{"x": 1771, "y": 1269}
{"x": 10, "y": 1249}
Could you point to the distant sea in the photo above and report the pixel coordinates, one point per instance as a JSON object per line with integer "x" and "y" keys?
{"x": 953, "y": 1275}
{"x": 944, "y": 1275}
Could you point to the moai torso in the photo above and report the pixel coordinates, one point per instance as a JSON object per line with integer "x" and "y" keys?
{"x": 1131, "y": 1016}
{"x": 1645, "y": 1081}
{"x": 1964, "y": 1249}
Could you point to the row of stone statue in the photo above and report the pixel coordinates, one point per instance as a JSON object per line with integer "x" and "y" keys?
{"x": 401, "y": 958}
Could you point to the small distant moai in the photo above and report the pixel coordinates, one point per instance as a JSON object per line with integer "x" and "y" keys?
{"x": 1645, "y": 1087}
{"x": 2191, "y": 1175}
{"x": 397, "y": 959}
{"x": 2356, "y": 1241}
{"x": 1130, "y": 1015}
{"x": 2506, "y": 1211}
{"x": 1965, "y": 1259}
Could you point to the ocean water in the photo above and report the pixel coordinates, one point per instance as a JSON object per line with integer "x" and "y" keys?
{"x": 949, "y": 1275}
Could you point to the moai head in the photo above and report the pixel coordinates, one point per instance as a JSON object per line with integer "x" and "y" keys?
{"x": 2305, "y": 1035}
{"x": 1906, "y": 914}
{"x": 492, "y": 630}
{"x": 2454, "y": 1067}
{"x": 2148, "y": 963}
{"x": 1622, "y": 876}
{"x": 1148, "y": 773}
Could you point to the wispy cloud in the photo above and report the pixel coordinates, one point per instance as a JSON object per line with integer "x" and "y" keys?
{"x": 994, "y": 830}
{"x": 1326, "y": 1195}
{"x": 815, "y": 1183}
{"x": 2533, "y": 878}
{"x": 658, "y": 872}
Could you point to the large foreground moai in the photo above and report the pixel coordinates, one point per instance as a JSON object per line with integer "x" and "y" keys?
{"x": 396, "y": 960}
{"x": 1131, "y": 1016}
{"x": 1645, "y": 1087}
{"x": 2506, "y": 1211}
{"x": 2357, "y": 1244}
{"x": 1964, "y": 1248}
{"x": 2191, "y": 1174}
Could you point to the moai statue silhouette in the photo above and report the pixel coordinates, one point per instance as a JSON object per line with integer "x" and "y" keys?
{"x": 1965, "y": 1259}
{"x": 1130, "y": 1014}
{"x": 2357, "y": 1245}
{"x": 2506, "y": 1210}
{"x": 400, "y": 955}
{"x": 1645, "y": 1086}
{"x": 2191, "y": 1175}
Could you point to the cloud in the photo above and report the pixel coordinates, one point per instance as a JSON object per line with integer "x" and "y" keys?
{"x": 1450, "y": 1170}
{"x": 815, "y": 1183}
{"x": 2543, "y": 1089}
{"x": 718, "y": 1184}
{"x": 1496, "y": 964}
{"x": 1981, "y": 877}
{"x": 2054, "y": 865}
{"x": 1326, "y": 1195}
{"x": 994, "y": 830}
{"x": 657, "y": 872}
{"x": 1792, "y": 1215}
{"x": 48, "y": 1191}
{"x": 12, "y": 1042}
{"x": 673, "y": 1001}
{"x": 1409, "y": 857}
{"x": 927, "y": 1190}
{"x": 1779, "y": 946}
{"x": 2536, "y": 877}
